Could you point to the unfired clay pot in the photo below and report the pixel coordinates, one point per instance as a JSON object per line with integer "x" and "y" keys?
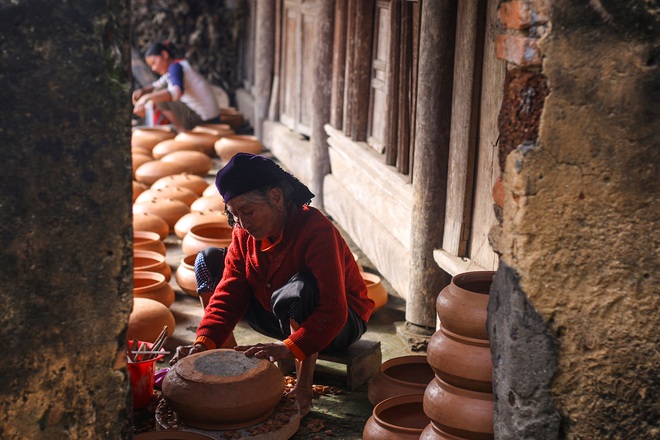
{"x": 182, "y": 227}
{"x": 208, "y": 203}
{"x": 219, "y": 130}
{"x": 204, "y": 140}
{"x": 206, "y": 235}
{"x": 152, "y": 285}
{"x": 151, "y": 261}
{"x": 375, "y": 290}
{"x": 210, "y": 190}
{"x": 195, "y": 162}
{"x": 169, "y": 192}
{"x": 138, "y": 159}
{"x": 185, "y": 275}
{"x": 138, "y": 188}
{"x": 397, "y": 418}
{"x": 171, "y": 145}
{"x": 196, "y": 184}
{"x": 147, "y": 320}
{"x": 433, "y": 432}
{"x": 151, "y": 171}
{"x": 148, "y": 241}
{"x": 223, "y": 389}
{"x": 400, "y": 376}
{"x": 148, "y": 137}
{"x": 229, "y": 146}
{"x": 169, "y": 210}
{"x": 462, "y": 306}
{"x": 145, "y": 221}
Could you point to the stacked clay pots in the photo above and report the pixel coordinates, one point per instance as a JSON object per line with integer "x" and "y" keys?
{"x": 459, "y": 399}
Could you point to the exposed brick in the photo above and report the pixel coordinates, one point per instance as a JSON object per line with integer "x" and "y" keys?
{"x": 522, "y": 14}
{"x": 518, "y": 50}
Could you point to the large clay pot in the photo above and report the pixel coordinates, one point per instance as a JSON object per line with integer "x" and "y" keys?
{"x": 185, "y": 223}
{"x": 210, "y": 190}
{"x": 141, "y": 150}
{"x": 169, "y": 192}
{"x": 460, "y": 361}
{"x": 208, "y": 203}
{"x": 218, "y": 130}
{"x": 151, "y": 261}
{"x": 375, "y": 290}
{"x": 196, "y": 184}
{"x": 185, "y": 275}
{"x": 460, "y": 412}
{"x": 223, "y": 389}
{"x": 169, "y": 210}
{"x": 144, "y": 221}
{"x": 462, "y": 306}
{"x": 138, "y": 188}
{"x": 148, "y": 241}
{"x": 229, "y": 146}
{"x": 147, "y": 320}
{"x": 170, "y": 146}
{"x": 400, "y": 376}
{"x": 206, "y": 235}
{"x": 433, "y": 432}
{"x": 195, "y": 162}
{"x": 232, "y": 117}
{"x": 138, "y": 159}
{"x": 204, "y": 140}
{"x": 148, "y": 137}
{"x": 397, "y": 418}
{"x": 152, "y": 285}
{"x": 151, "y": 171}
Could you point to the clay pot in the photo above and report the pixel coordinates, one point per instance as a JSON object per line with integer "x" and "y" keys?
{"x": 206, "y": 235}
{"x": 147, "y": 320}
{"x": 460, "y": 361}
{"x": 208, "y": 203}
{"x": 433, "y": 432}
{"x": 195, "y": 162}
{"x": 151, "y": 261}
{"x": 185, "y": 275}
{"x": 182, "y": 227}
{"x": 170, "y": 146}
{"x": 144, "y": 221}
{"x": 169, "y": 192}
{"x": 400, "y": 376}
{"x": 148, "y": 137}
{"x": 210, "y": 190}
{"x": 151, "y": 171}
{"x": 375, "y": 290}
{"x": 232, "y": 117}
{"x": 218, "y": 130}
{"x": 203, "y": 140}
{"x": 152, "y": 285}
{"x": 138, "y": 188}
{"x": 462, "y": 306}
{"x": 196, "y": 184}
{"x": 397, "y": 418}
{"x": 148, "y": 241}
{"x": 169, "y": 210}
{"x": 228, "y": 146}
{"x": 138, "y": 159}
{"x": 356, "y": 258}
{"x": 141, "y": 150}
{"x": 460, "y": 412}
{"x": 223, "y": 389}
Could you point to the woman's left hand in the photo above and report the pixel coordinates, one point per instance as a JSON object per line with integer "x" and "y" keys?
{"x": 273, "y": 351}
{"x": 139, "y": 107}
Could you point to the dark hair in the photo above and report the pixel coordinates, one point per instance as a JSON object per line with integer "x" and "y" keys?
{"x": 158, "y": 48}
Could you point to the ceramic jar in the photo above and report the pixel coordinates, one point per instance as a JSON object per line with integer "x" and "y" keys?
{"x": 185, "y": 275}
{"x": 208, "y": 203}
{"x": 148, "y": 137}
{"x": 147, "y": 320}
{"x": 228, "y": 146}
{"x": 138, "y": 159}
{"x": 218, "y": 130}
{"x": 210, "y": 190}
{"x": 400, "y": 376}
{"x": 196, "y": 184}
{"x": 396, "y": 418}
{"x": 141, "y": 150}
{"x": 148, "y": 241}
{"x": 206, "y": 235}
{"x": 145, "y": 221}
{"x": 204, "y": 140}
{"x": 195, "y": 162}
{"x": 232, "y": 117}
{"x": 460, "y": 412}
{"x": 185, "y": 223}
{"x": 223, "y": 389}
{"x": 169, "y": 192}
{"x": 138, "y": 188}
{"x": 170, "y": 146}
{"x": 433, "y": 432}
{"x": 151, "y": 171}
{"x": 462, "y": 306}
{"x": 375, "y": 290}
{"x": 152, "y": 285}
{"x": 151, "y": 261}
{"x": 169, "y": 210}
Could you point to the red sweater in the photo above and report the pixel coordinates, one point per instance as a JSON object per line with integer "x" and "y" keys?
{"x": 310, "y": 242}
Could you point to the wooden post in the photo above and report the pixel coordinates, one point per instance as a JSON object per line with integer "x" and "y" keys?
{"x": 264, "y": 60}
{"x": 434, "y": 98}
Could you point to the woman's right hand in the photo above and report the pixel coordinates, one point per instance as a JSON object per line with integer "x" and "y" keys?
{"x": 186, "y": 350}
{"x": 137, "y": 93}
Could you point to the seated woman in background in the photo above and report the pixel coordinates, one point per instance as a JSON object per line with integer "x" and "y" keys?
{"x": 178, "y": 82}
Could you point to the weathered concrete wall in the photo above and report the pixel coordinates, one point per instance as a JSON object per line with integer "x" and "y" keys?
{"x": 580, "y": 237}
{"x": 65, "y": 218}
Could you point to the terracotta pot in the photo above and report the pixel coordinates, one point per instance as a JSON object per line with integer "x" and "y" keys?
{"x": 231, "y": 116}
{"x": 138, "y": 159}
{"x": 210, "y": 190}
{"x": 169, "y": 192}
{"x": 195, "y": 162}
{"x": 169, "y": 210}
{"x": 138, "y": 188}
{"x": 182, "y": 227}
{"x": 196, "y": 184}
{"x": 203, "y": 140}
{"x": 170, "y": 146}
{"x": 208, "y": 203}
{"x": 147, "y": 320}
{"x": 185, "y": 275}
{"x": 148, "y": 137}
{"x": 398, "y": 377}
{"x": 433, "y": 432}
{"x": 206, "y": 235}
{"x": 148, "y": 241}
{"x": 151, "y": 261}
{"x": 141, "y": 150}
{"x": 144, "y": 221}
{"x": 152, "y": 285}
{"x": 223, "y": 389}
{"x": 460, "y": 361}
{"x": 462, "y": 306}
{"x": 460, "y": 412}
{"x": 228, "y": 146}
{"x": 375, "y": 290}
{"x": 356, "y": 257}
{"x": 397, "y": 418}
{"x": 151, "y": 171}
{"x": 218, "y": 130}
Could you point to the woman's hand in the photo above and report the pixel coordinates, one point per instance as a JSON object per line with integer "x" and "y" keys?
{"x": 137, "y": 94}
{"x": 186, "y": 350}
{"x": 139, "y": 107}
{"x": 273, "y": 351}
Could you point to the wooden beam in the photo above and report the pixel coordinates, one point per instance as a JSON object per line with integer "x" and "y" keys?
{"x": 339, "y": 64}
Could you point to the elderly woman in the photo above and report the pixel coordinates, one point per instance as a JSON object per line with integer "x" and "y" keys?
{"x": 288, "y": 273}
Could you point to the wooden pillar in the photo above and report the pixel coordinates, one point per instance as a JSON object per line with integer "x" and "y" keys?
{"x": 322, "y": 96}
{"x": 434, "y": 97}
{"x": 264, "y": 61}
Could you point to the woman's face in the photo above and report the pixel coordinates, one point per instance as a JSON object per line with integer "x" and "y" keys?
{"x": 158, "y": 63}
{"x": 260, "y": 219}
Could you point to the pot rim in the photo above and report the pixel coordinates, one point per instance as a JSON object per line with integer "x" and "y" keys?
{"x": 392, "y": 402}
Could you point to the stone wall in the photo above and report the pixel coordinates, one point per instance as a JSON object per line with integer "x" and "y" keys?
{"x": 65, "y": 218}
{"x": 580, "y": 220}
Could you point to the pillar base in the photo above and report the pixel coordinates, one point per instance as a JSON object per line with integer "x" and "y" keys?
{"x": 414, "y": 336}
